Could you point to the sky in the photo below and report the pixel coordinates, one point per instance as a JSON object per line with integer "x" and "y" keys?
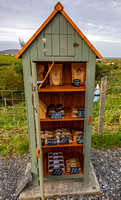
{"x": 99, "y": 20}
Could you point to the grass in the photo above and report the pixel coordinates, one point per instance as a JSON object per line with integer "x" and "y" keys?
{"x": 13, "y": 122}
{"x": 14, "y": 132}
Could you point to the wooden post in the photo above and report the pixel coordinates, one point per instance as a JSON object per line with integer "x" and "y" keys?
{"x": 102, "y": 105}
{"x": 5, "y": 102}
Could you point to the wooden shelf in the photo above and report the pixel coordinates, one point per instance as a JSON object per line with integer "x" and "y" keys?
{"x": 63, "y": 88}
{"x": 66, "y": 118}
{"x": 63, "y": 145}
{"x": 66, "y": 156}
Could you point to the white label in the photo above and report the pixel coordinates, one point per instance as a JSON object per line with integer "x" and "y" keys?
{"x": 56, "y": 162}
{"x": 56, "y": 166}
{"x": 55, "y": 157}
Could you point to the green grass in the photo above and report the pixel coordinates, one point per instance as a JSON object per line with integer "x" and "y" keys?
{"x": 13, "y": 132}
{"x": 106, "y": 141}
{"x": 11, "y": 73}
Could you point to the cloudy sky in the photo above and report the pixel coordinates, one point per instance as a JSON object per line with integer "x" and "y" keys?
{"x": 99, "y": 20}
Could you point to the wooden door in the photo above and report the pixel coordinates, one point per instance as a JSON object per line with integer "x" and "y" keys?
{"x": 37, "y": 128}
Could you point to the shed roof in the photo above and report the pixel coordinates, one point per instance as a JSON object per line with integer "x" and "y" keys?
{"x": 58, "y": 8}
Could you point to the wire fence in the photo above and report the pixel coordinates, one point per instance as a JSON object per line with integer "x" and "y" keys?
{"x": 13, "y": 120}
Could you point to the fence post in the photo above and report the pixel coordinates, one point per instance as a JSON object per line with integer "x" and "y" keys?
{"x": 5, "y": 102}
{"x": 102, "y": 105}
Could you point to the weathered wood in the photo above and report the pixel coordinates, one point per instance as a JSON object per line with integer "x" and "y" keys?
{"x": 37, "y": 125}
{"x": 23, "y": 182}
{"x": 55, "y": 45}
{"x": 55, "y": 24}
{"x": 48, "y": 45}
{"x": 71, "y": 40}
{"x": 30, "y": 116}
{"x": 102, "y": 105}
{"x": 63, "y": 45}
{"x": 90, "y": 77}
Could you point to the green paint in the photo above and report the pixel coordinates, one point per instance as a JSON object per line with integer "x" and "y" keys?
{"x": 90, "y": 77}
{"x": 37, "y": 124}
{"x": 30, "y": 115}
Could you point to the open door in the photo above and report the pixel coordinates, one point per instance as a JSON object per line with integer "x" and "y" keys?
{"x": 37, "y": 127}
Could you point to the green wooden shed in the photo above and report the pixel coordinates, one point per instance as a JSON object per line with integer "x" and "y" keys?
{"x": 60, "y": 41}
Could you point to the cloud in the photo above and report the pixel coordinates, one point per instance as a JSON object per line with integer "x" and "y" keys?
{"x": 98, "y": 20}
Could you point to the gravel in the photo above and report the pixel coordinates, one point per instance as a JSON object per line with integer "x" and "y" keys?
{"x": 106, "y": 165}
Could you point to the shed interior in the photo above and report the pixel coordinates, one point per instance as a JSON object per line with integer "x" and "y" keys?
{"x": 68, "y": 96}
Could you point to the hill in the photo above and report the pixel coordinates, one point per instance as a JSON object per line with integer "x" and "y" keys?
{"x": 10, "y": 51}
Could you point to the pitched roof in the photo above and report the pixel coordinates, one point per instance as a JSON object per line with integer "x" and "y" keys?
{"x": 58, "y": 8}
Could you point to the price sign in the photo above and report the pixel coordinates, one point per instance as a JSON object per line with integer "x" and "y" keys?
{"x": 64, "y": 140}
{"x": 52, "y": 141}
{"x": 57, "y": 172}
{"x": 43, "y": 142}
{"x": 79, "y": 140}
{"x": 74, "y": 170}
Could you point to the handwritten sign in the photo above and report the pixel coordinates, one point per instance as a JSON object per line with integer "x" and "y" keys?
{"x": 52, "y": 141}
{"x": 57, "y": 172}
{"x": 79, "y": 140}
{"x": 64, "y": 140}
{"x": 74, "y": 170}
{"x": 43, "y": 142}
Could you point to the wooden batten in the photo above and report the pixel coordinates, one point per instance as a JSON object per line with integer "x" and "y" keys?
{"x": 42, "y": 109}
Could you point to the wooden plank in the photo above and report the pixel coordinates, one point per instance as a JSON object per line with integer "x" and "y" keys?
{"x": 30, "y": 116}
{"x": 67, "y": 117}
{"x": 71, "y": 49}
{"x": 90, "y": 77}
{"x": 37, "y": 123}
{"x": 40, "y": 46}
{"x": 64, "y": 145}
{"x": 85, "y": 51}
{"x": 78, "y": 49}
{"x": 48, "y": 45}
{"x": 22, "y": 183}
{"x": 63, "y": 45}
{"x": 64, "y": 88}
{"x": 48, "y": 28}
{"x": 33, "y": 51}
{"x": 63, "y": 25}
{"x": 55, "y": 45}
{"x": 56, "y": 24}
{"x": 102, "y": 105}
{"x": 70, "y": 29}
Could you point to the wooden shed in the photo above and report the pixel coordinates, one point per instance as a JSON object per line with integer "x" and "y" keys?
{"x": 59, "y": 44}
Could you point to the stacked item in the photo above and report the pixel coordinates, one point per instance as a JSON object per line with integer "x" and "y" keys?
{"x": 56, "y": 112}
{"x": 63, "y": 132}
{"x": 45, "y": 135}
{"x": 76, "y": 134}
{"x": 55, "y": 161}
{"x": 56, "y": 133}
{"x": 77, "y": 111}
{"x": 74, "y": 162}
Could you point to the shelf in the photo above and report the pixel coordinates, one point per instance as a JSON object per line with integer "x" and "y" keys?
{"x": 63, "y": 88}
{"x": 66, "y": 118}
{"x": 66, "y": 156}
{"x": 63, "y": 145}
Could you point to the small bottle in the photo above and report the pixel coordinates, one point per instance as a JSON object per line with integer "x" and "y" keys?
{"x": 97, "y": 93}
